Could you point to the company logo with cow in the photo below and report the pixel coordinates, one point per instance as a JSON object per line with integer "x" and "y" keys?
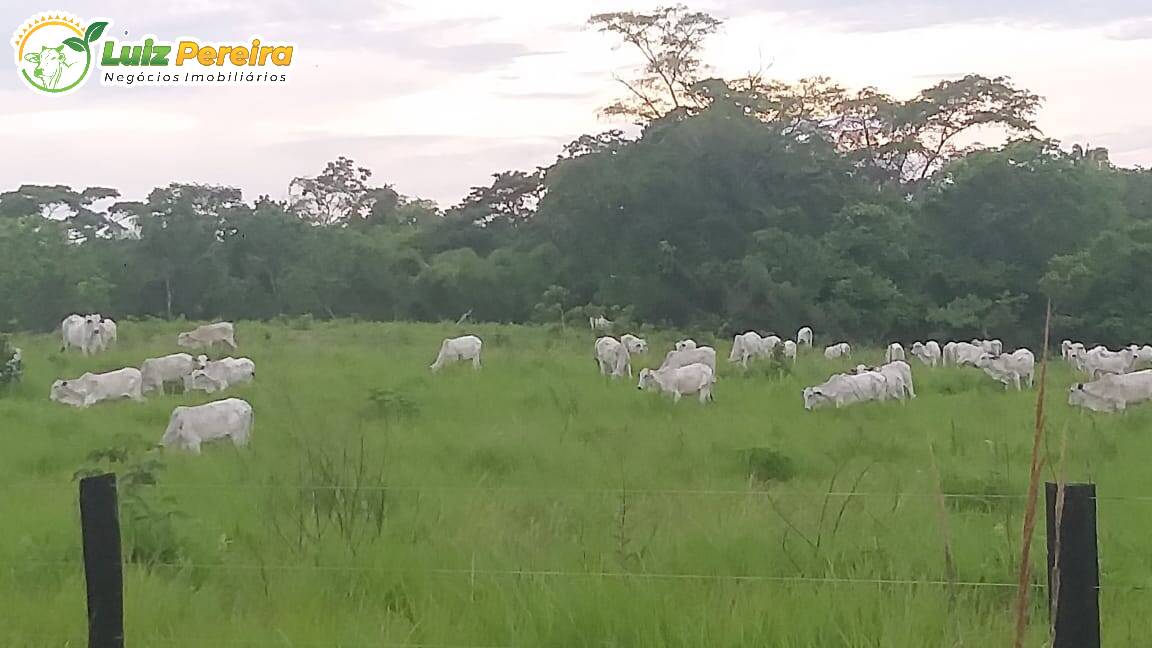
{"x": 57, "y": 52}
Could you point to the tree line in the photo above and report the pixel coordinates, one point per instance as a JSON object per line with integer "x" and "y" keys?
{"x": 745, "y": 203}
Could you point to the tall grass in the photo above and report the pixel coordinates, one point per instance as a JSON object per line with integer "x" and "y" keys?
{"x": 537, "y": 503}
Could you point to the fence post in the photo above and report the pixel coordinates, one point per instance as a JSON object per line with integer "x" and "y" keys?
{"x": 1073, "y": 567}
{"x": 100, "y": 527}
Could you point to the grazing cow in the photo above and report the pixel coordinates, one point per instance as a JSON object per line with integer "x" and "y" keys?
{"x": 612, "y": 357}
{"x": 188, "y": 427}
{"x": 155, "y": 372}
{"x": 790, "y": 350}
{"x": 1112, "y": 393}
{"x": 466, "y": 347}
{"x": 599, "y": 323}
{"x": 1009, "y": 368}
{"x": 81, "y": 332}
{"x": 769, "y": 345}
{"x": 696, "y": 378}
{"x": 219, "y": 375}
{"x": 50, "y": 64}
{"x": 90, "y": 388}
{"x": 703, "y": 355}
{"x": 845, "y": 389}
{"x": 894, "y": 352}
{"x": 686, "y": 344}
{"x": 207, "y": 335}
{"x": 745, "y": 347}
{"x": 928, "y": 352}
{"x": 1100, "y": 361}
{"x": 804, "y": 336}
{"x": 634, "y": 344}
{"x": 838, "y": 350}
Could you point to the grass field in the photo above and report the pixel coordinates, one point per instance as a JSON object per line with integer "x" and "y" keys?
{"x": 535, "y": 503}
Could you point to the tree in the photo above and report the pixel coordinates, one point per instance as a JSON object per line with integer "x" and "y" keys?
{"x": 670, "y": 40}
{"x": 510, "y": 200}
{"x": 338, "y": 196}
{"x": 908, "y": 141}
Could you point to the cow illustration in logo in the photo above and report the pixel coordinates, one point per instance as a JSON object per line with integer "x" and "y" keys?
{"x": 54, "y": 51}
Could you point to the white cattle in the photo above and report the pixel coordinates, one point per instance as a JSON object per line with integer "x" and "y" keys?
{"x": 612, "y": 357}
{"x": 466, "y": 347}
{"x": 170, "y": 368}
{"x": 948, "y": 354}
{"x": 188, "y": 427}
{"x": 1100, "y": 361}
{"x": 686, "y": 345}
{"x": 219, "y": 375}
{"x": 1076, "y": 355}
{"x": 696, "y": 378}
{"x": 746, "y": 346}
{"x": 928, "y": 352}
{"x": 838, "y": 350}
{"x": 1143, "y": 356}
{"x": 1112, "y": 392}
{"x": 1065, "y": 348}
{"x": 804, "y": 336}
{"x": 109, "y": 332}
{"x": 897, "y": 378}
{"x": 845, "y": 389}
{"x": 790, "y": 350}
{"x": 964, "y": 353}
{"x": 704, "y": 355}
{"x": 634, "y": 344}
{"x": 81, "y": 332}
{"x": 1009, "y": 368}
{"x": 207, "y": 335}
{"x": 91, "y": 388}
{"x": 769, "y": 345}
{"x": 894, "y": 352}
{"x": 599, "y": 323}
{"x": 992, "y": 347}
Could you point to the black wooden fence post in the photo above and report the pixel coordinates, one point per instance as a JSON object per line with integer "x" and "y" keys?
{"x": 1073, "y": 567}
{"x": 100, "y": 522}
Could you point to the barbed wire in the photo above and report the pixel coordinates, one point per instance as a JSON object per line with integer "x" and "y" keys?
{"x": 559, "y": 573}
{"x": 548, "y": 490}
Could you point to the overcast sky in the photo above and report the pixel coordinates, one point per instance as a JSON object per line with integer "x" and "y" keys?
{"x": 435, "y": 95}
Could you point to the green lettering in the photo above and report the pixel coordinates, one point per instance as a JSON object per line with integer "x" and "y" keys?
{"x": 160, "y": 54}
{"x": 107, "y": 59}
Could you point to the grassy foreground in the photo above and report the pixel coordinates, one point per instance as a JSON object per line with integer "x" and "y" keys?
{"x": 534, "y": 503}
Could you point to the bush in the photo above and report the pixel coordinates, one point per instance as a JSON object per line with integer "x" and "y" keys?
{"x": 11, "y": 365}
{"x": 767, "y": 465}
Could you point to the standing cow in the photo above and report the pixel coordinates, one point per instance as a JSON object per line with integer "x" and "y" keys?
{"x": 466, "y": 347}
{"x": 207, "y": 335}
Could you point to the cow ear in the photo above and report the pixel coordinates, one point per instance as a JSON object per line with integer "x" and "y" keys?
{"x": 32, "y": 57}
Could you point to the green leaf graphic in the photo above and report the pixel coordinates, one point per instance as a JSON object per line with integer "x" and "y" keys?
{"x": 94, "y": 30}
{"x": 76, "y": 44}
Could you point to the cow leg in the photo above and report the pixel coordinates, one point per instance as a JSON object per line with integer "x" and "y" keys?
{"x": 676, "y": 397}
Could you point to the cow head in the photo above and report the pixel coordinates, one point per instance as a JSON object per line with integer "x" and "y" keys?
{"x": 814, "y": 397}
{"x": 647, "y": 379}
{"x": 50, "y": 63}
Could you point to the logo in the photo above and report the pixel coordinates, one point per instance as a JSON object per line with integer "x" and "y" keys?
{"x": 55, "y": 52}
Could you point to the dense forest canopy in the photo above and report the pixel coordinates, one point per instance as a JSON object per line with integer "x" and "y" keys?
{"x": 743, "y": 203}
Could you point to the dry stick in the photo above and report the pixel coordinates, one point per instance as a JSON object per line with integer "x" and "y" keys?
{"x": 1033, "y": 486}
{"x": 1060, "y": 483}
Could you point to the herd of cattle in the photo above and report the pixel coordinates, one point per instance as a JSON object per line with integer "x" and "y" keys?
{"x": 187, "y": 427}
{"x": 1116, "y": 378}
